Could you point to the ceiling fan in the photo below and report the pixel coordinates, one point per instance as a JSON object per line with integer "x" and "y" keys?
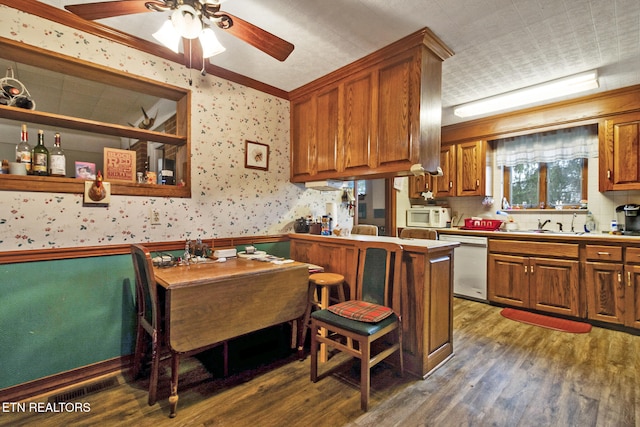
{"x": 204, "y": 11}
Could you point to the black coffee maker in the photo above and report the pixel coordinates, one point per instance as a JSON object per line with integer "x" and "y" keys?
{"x": 629, "y": 219}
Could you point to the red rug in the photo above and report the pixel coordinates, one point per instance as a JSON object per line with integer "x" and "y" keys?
{"x": 546, "y": 321}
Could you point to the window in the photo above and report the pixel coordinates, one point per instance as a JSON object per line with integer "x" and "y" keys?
{"x": 540, "y": 185}
{"x": 547, "y": 169}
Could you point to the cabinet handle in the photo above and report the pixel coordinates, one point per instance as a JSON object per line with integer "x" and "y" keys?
{"x": 525, "y": 269}
{"x": 619, "y": 277}
{"x": 477, "y": 183}
{"x": 604, "y": 253}
{"x": 450, "y": 184}
{"x": 628, "y": 278}
{"x": 608, "y": 173}
{"x": 531, "y": 270}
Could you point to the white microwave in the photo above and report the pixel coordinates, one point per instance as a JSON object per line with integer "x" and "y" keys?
{"x": 428, "y": 217}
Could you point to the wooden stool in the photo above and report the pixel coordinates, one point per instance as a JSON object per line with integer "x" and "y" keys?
{"x": 322, "y": 282}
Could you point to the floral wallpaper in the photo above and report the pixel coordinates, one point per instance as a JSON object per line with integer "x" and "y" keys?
{"x": 228, "y": 200}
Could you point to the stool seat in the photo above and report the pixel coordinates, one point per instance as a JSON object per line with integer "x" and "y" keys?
{"x": 326, "y": 279}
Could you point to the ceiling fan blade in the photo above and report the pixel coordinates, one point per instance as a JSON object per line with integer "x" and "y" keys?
{"x": 108, "y": 9}
{"x": 257, "y": 37}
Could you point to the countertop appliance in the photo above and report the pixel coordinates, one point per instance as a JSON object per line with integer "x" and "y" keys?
{"x": 428, "y": 216}
{"x": 469, "y": 266}
{"x": 629, "y": 219}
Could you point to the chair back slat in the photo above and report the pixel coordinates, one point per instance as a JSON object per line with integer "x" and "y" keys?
{"x": 378, "y": 269}
{"x": 374, "y": 277}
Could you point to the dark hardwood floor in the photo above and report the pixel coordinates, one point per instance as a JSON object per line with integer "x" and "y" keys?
{"x": 503, "y": 374}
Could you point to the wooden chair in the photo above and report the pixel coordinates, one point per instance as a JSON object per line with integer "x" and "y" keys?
{"x": 379, "y": 272}
{"x": 149, "y": 316}
{"x": 419, "y": 233}
{"x": 370, "y": 230}
{"x": 150, "y": 319}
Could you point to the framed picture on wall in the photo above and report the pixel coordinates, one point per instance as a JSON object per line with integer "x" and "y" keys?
{"x": 256, "y": 155}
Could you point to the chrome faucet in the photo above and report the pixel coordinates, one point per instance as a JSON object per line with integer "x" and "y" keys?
{"x": 541, "y": 225}
{"x": 572, "y": 219}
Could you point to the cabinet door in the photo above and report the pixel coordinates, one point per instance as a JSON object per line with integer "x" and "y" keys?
{"x": 418, "y": 185}
{"x": 357, "y": 123}
{"x": 303, "y": 131}
{"x": 327, "y": 134}
{"x": 554, "y": 285}
{"x": 620, "y": 167}
{"x": 398, "y": 107}
{"x": 632, "y": 296}
{"x": 470, "y": 168}
{"x": 508, "y": 281}
{"x": 445, "y": 185}
{"x": 605, "y": 292}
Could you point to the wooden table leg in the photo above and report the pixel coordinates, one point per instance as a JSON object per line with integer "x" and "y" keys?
{"x": 173, "y": 398}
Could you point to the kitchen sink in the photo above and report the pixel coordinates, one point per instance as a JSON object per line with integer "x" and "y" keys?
{"x": 552, "y": 232}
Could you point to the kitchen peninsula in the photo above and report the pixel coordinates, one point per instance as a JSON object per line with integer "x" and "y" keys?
{"x": 426, "y": 286}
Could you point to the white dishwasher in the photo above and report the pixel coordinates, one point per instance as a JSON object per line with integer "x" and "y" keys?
{"x": 469, "y": 266}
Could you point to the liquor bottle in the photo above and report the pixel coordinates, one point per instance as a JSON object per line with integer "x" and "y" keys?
{"x": 23, "y": 149}
{"x": 57, "y": 159}
{"x": 40, "y": 157}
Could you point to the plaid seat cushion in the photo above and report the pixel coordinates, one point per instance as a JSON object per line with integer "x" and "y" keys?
{"x": 361, "y": 310}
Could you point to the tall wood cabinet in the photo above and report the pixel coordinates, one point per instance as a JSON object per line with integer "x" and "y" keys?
{"x": 619, "y": 163}
{"x": 536, "y": 275}
{"x": 371, "y": 117}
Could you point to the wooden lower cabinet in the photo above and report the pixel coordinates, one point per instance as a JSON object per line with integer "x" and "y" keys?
{"x": 613, "y": 286}
{"x": 427, "y": 307}
{"x": 547, "y": 283}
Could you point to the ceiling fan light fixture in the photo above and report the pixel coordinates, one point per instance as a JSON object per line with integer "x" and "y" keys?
{"x": 530, "y": 95}
{"x": 210, "y": 44}
{"x": 187, "y": 22}
{"x": 168, "y": 36}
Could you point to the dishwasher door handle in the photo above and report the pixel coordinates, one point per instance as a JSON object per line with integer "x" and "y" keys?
{"x": 474, "y": 245}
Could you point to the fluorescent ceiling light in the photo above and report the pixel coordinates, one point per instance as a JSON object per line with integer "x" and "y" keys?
{"x": 542, "y": 92}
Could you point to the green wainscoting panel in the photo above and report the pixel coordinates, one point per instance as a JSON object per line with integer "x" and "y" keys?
{"x": 280, "y": 249}
{"x": 61, "y": 315}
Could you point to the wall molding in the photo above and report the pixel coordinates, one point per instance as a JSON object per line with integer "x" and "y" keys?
{"x": 30, "y": 255}
{"x": 65, "y": 379}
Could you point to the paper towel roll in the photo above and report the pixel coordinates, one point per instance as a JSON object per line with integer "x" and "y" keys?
{"x": 332, "y": 209}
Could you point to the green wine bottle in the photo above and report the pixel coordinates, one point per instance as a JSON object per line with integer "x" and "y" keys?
{"x": 40, "y": 157}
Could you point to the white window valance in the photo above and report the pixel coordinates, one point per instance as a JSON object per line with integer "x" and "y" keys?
{"x": 545, "y": 147}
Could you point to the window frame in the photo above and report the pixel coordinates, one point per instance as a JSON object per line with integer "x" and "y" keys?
{"x": 542, "y": 185}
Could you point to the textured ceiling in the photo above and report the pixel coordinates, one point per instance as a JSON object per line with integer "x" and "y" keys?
{"x": 499, "y": 45}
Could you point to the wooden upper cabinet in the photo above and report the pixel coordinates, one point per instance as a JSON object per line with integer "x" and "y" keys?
{"x": 303, "y": 131}
{"x": 470, "y": 168}
{"x": 620, "y": 153}
{"x": 398, "y": 91}
{"x": 373, "y": 118}
{"x": 357, "y": 117}
{"x": 445, "y": 185}
{"x": 327, "y": 135}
